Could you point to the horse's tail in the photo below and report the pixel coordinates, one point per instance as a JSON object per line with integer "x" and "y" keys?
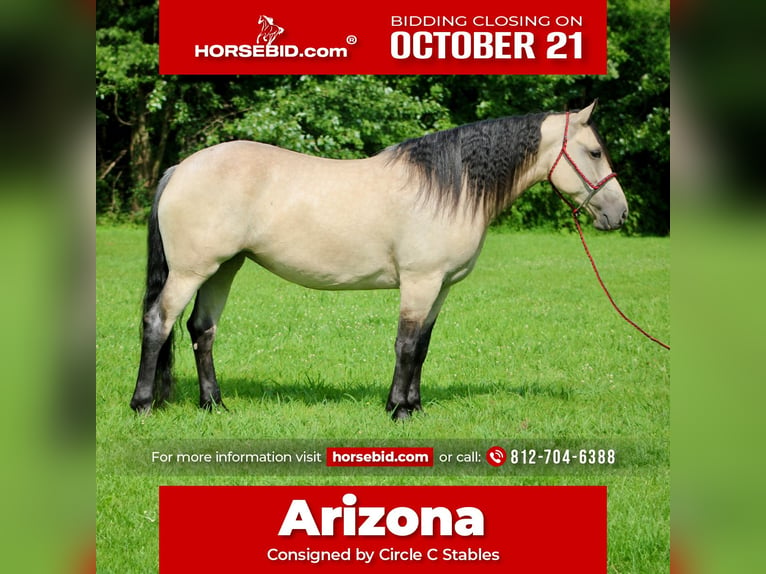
{"x": 156, "y": 276}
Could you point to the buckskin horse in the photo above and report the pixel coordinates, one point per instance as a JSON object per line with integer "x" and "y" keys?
{"x": 413, "y": 217}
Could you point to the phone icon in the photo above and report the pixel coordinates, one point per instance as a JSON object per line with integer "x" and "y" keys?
{"x": 496, "y": 456}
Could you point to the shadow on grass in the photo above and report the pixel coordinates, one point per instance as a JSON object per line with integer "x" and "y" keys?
{"x": 315, "y": 390}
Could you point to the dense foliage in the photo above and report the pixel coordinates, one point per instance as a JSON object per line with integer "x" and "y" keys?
{"x": 147, "y": 122}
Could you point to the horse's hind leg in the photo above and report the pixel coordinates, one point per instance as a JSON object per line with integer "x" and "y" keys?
{"x": 158, "y": 324}
{"x": 202, "y": 325}
{"x": 420, "y": 305}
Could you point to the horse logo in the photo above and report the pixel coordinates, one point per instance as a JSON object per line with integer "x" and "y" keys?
{"x": 269, "y": 30}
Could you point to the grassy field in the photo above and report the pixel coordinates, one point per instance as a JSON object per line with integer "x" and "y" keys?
{"x": 526, "y": 348}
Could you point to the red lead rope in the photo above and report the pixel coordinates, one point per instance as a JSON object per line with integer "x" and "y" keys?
{"x": 603, "y": 286}
{"x": 576, "y": 210}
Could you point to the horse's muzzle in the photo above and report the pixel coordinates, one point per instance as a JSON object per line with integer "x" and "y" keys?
{"x": 606, "y": 221}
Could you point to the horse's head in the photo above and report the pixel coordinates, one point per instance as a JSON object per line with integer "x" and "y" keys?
{"x": 581, "y": 169}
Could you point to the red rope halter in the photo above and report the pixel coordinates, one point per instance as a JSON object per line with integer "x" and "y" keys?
{"x": 594, "y": 188}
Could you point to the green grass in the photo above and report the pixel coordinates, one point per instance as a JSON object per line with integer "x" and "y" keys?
{"x": 526, "y": 348}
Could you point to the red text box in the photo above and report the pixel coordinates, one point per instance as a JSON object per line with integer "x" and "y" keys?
{"x": 422, "y": 529}
{"x": 396, "y": 37}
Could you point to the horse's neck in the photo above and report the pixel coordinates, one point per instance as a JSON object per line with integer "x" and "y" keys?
{"x": 552, "y": 131}
{"x": 534, "y": 173}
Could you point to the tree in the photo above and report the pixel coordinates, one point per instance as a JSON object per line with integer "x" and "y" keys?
{"x": 331, "y": 116}
{"x": 129, "y": 95}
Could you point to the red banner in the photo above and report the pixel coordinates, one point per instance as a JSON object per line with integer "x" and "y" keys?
{"x": 397, "y": 37}
{"x": 550, "y": 529}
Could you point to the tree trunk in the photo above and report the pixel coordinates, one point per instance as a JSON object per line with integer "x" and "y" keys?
{"x": 146, "y": 155}
{"x": 140, "y": 163}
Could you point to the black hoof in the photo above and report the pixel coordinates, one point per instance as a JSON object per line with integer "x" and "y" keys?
{"x": 141, "y": 406}
{"x": 212, "y": 404}
{"x": 400, "y": 413}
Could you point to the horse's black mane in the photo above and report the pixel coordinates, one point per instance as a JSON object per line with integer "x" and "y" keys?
{"x": 482, "y": 159}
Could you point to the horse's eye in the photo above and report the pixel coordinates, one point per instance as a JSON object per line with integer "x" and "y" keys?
{"x": 595, "y": 154}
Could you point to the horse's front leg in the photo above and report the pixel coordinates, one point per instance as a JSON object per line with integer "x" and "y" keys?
{"x": 420, "y": 305}
{"x": 407, "y": 338}
{"x": 421, "y": 350}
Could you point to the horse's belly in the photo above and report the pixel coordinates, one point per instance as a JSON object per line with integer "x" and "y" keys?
{"x": 320, "y": 265}
{"x": 326, "y": 225}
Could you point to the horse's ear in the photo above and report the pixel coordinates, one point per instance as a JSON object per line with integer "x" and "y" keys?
{"x": 583, "y": 116}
